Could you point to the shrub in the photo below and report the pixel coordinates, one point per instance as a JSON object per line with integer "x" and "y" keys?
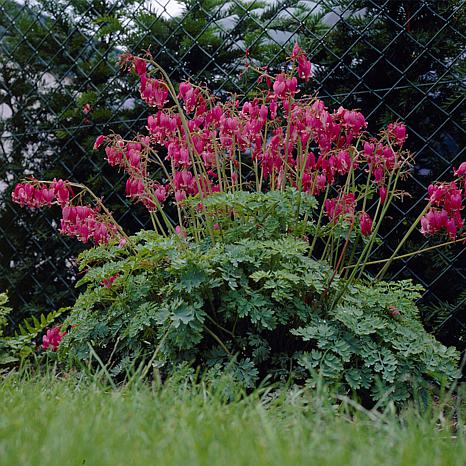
{"x": 278, "y": 207}
{"x": 255, "y": 304}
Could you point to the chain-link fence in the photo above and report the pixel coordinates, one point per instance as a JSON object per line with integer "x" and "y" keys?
{"x": 60, "y": 86}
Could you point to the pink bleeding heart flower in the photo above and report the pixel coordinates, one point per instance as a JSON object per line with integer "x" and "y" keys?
{"x": 98, "y": 142}
{"x": 461, "y": 170}
{"x": 365, "y": 222}
{"x": 52, "y": 338}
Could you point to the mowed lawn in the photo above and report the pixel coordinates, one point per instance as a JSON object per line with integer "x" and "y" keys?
{"x": 48, "y": 421}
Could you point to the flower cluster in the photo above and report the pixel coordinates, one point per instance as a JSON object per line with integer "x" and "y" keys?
{"x": 78, "y": 221}
{"x": 52, "y": 338}
{"x": 341, "y": 207}
{"x": 446, "y": 201}
{"x": 40, "y": 194}
{"x": 196, "y": 144}
{"x": 304, "y": 65}
{"x": 203, "y": 145}
{"x": 83, "y": 222}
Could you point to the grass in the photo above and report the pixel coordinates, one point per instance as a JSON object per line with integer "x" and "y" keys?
{"x": 50, "y": 421}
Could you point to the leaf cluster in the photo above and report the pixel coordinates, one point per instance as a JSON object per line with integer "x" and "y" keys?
{"x": 252, "y": 305}
{"x": 21, "y": 345}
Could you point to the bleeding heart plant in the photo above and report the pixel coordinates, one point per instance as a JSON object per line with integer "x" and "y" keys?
{"x": 199, "y": 153}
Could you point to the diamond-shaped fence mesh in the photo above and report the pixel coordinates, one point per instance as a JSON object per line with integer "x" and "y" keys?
{"x": 61, "y": 86}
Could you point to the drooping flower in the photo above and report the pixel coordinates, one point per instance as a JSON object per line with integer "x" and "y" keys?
{"x": 461, "y": 170}
{"x": 154, "y": 92}
{"x": 114, "y": 156}
{"x": 98, "y": 142}
{"x": 304, "y": 65}
{"x": 383, "y": 194}
{"x": 365, "y": 222}
{"x": 340, "y": 208}
{"x": 140, "y": 66}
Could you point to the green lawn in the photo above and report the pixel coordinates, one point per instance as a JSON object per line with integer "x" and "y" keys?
{"x": 50, "y": 422}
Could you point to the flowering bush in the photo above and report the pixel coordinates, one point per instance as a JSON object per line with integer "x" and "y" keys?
{"x": 278, "y": 204}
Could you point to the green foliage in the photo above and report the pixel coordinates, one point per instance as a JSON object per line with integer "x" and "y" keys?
{"x": 4, "y": 311}
{"x": 252, "y": 305}
{"x": 209, "y": 421}
{"x": 436, "y": 315}
{"x": 374, "y": 340}
{"x": 14, "y": 349}
{"x": 257, "y": 215}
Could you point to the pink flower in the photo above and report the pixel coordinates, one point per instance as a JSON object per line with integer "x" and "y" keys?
{"x": 398, "y": 132}
{"x": 453, "y": 201}
{"x": 69, "y": 214}
{"x": 40, "y": 195}
{"x": 185, "y": 181}
{"x": 48, "y": 195}
{"x": 365, "y": 222}
{"x": 108, "y": 282}
{"x": 181, "y": 232}
{"x": 433, "y": 221}
{"x": 24, "y": 194}
{"x": 190, "y": 96}
{"x": 342, "y": 162}
{"x": 383, "y": 194}
{"x": 63, "y": 196}
{"x": 451, "y": 228}
{"x": 341, "y": 207}
{"x": 154, "y": 92}
{"x": 352, "y": 119}
{"x": 114, "y": 156}
{"x": 161, "y": 194}
{"x": 321, "y": 183}
{"x": 134, "y": 158}
{"x": 461, "y": 170}
{"x": 98, "y": 142}
{"x": 52, "y": 338}
{"x": 291, "y": 85}
{"x": 368, "y": 149}
{"x": 304, "y": 69}
{"x": 100, "y": 234}
{"x": 304, "y": 65}
{"x": 82, "y": 223}
{"x": 279, "y": 86}
{"x": 140, "y": 66}
{"x": 180, "y": 195}
{"x": 273, "y": 110}
{"x": 134, "y": 187}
